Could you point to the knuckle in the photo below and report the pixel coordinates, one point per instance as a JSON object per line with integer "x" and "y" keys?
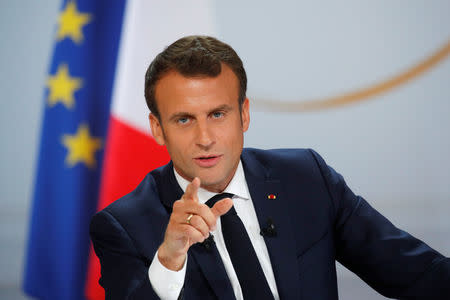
{"x": 204, "y": 209}
{"x": 172, "y": 221}
{"x": 188, "y": 230}
{"x": 199, "y": 236}
{"x": 207, "y": 214}
{"x": 188, "y": 189}
{"x": 178, "y": 204}
{"x": 202, "y": 227}
{"x": 196, "y": 221}
{"x": 197, "y": 228}
{"x": 193, "y": 234}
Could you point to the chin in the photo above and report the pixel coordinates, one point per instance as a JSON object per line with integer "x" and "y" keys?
{"x": 207, "y": 183}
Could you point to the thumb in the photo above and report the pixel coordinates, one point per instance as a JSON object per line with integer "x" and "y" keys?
{"x": 222, "y": 207}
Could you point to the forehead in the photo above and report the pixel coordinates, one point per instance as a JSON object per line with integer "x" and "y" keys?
{"x": 175, "y": 92}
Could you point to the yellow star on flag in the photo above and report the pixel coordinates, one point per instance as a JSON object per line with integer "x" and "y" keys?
{"x": 81, "y": 147}
{"x": 62, "y": 87}
{"x": 71, "y": 22}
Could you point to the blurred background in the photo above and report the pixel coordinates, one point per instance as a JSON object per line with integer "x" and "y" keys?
{"x": 392, "y": 144}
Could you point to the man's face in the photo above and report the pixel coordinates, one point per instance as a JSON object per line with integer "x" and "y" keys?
{"x": 201, "y": 125}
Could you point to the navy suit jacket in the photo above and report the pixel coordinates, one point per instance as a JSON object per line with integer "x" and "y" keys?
{"x": 318, "y": 220}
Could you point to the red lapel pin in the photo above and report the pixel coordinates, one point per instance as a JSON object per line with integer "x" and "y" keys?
{"x": 271, "y": 197}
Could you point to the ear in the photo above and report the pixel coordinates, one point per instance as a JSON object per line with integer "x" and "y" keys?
{"x": 245, "y": 114}
{"x": 157, "y": 130}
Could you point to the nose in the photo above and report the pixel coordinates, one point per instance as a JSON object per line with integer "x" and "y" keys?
{"x": 205, "y": 137}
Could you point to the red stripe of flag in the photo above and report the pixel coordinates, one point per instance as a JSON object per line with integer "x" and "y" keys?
{"x": 129, "y": 156}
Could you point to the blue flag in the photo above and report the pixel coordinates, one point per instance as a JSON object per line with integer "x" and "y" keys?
{"x": 77, "y": 107}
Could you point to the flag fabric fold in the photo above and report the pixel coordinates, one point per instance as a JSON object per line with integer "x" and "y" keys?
{"x": 77, "y": 107}
{"x": 96, "y": 144}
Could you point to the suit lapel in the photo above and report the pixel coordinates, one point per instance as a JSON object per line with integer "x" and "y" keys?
{"x": 281, "y": 248}
{"x": 209, "y": 261}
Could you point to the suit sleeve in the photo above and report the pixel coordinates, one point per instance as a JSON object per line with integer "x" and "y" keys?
{"x": 124, "y": 273}
{"x": 389, "y": 259}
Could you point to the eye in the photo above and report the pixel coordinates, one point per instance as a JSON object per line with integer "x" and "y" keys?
{"x": 182, "y": 120}
{"x": 217, "y": 114}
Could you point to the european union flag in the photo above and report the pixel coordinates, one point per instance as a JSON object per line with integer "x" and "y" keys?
{"x": 77, "y": 108}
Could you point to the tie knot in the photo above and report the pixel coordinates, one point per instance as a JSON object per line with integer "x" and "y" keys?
{"x": 218, "y": 197}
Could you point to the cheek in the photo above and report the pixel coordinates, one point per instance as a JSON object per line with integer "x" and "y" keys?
{"x": 231, "y": 130}
{"x": 232, "y": 138}
{"x": 178, "y": 145}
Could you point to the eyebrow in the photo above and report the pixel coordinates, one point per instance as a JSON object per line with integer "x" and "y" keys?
{"x": 224, "y": 107}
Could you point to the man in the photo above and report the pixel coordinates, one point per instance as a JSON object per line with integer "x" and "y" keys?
{"x": 284, "y": 219}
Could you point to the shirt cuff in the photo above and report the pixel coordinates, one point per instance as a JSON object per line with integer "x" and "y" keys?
{"x": 166, "y": 283}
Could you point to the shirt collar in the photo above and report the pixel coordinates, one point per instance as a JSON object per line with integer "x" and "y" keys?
{"x": 237, "y": 186}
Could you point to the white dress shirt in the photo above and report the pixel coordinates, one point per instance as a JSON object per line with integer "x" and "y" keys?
{"x": 167, "y": 283}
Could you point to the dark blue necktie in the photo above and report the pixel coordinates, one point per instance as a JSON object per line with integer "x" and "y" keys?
{"x": 245, "y": 262}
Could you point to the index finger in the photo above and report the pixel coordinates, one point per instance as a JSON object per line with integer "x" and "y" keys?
{"x": 192, "y": 189}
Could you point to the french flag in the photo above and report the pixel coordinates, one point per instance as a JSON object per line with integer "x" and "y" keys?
{"x": 96, "y": 143}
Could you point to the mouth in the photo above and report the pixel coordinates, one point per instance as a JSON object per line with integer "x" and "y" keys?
{"x": 207, "y": 161}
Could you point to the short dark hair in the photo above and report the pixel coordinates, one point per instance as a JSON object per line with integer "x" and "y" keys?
{"x": 193, "y": 56}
